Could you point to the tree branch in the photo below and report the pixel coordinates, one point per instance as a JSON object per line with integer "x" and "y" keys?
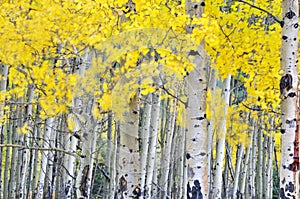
{"x": 39, "y": 149}
{"x": 261, "y": 9}
{"x": 169, "y": 93}
{"x": 259, "y": 109}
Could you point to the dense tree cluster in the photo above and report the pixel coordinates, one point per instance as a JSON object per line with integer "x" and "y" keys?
{"x": 149, "y": 99}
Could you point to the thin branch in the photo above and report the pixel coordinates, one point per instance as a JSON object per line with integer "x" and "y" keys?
{"x": 169, "y": 93}
{"x": 227, "y": 36}
{"x": 259, "y": 109}
{"x": 39, "y": 149}
{"x": 106, "y": 175}
{"x": 236, "y": 87}
{"x": 228, "y": 153}
{"x": 20, "y": 103}
{"x": 64, "y": 167}
{"x": 261, "y": 9}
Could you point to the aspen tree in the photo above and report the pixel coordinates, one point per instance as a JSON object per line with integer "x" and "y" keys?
{"x": 253, "y": 163}
{"x": 269, "y": 171}
{"x": 259, "y": 164}
{"x": 145, "y": 133}
{"x": 36, "y": 135}
{"x": 237, "y": 170}
{"x": 289, "y": 162}
{"x": 196, "y": 135}
{"x": 221, "y": 151}
{"x": 210, "y": 95}
{"x": 128, "y": 168}
{"x": 244, "y": 174}
{"x": 109, "y": 153}
{"x": 7, "y": 161}
{"x": 237, "y": 42}
{"x": 155, "y": 113}
{"x": 28, "y": 122}
{"x": 87, "y": 135}
{"x": 49, "y": 126}
{"x": 3, "y": 87}
{"x": 168, "y": 141}
{"x": 181, "y": 173}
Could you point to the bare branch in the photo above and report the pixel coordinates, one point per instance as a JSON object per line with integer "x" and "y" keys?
{"x": 261, "y": 9}
{"x": 259, "y": 109}
{"x": 39, "y": 149}
{"x": 169, "y": 93}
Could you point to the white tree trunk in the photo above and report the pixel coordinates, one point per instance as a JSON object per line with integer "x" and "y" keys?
{"x": 182, "y": 183}
{"x": 129, "y": 157}
{"x": 237, "y": 170}
{"x": 69, "y": 161}
{"x": 210, "y": 130}
{"x": 167, "y": 146}
{"x": 36, "y": 135}
{"x": 113, "y": 168}
{"x": 252, "y": 165}
{"x": 259, "y": 164}
{"x": 217, "y": 187}
{"x": 196, "y": 123}
{"x": 145, "y": 132}
{"x": 155, "y": 112}
{"x": 269, "y": 173}
{"x": 72, "y": 140}
{"x": 84, "y": 175}
{"x": 109, "y": 155}
{"x": 289, "y": 162}
{"x": 47, "y": 134}
{"x": 28, "y": 120}
{"x": 244, "y": 174}
{"x": 3, "y": 85}
{"x": 49, "y": 180}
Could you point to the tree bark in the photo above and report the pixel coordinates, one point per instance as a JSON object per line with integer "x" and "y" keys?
{"x": 129, "y": 156}
{"x": 155, "y": 112}
{"x": 196, "y": 124}
{"x": 167, "y": 146}
{"x": 3, "y": 85}
{"x": 217, "y": 187}
{"x": 145, "y": 133}
{"x": 237, "y": 170}
{"x": 47, "y": 133}
{"x": 289, "y": 162}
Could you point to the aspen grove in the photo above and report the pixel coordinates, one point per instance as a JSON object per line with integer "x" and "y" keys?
{"x": 122, "y": 99}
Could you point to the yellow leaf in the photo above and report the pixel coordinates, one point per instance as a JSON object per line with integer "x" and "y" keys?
{"x": 106, "y": 101}
{"x": 71, "y": 123}
{"x": 96, "y": 112}
{"x": 104, "y": 86}
{"x": 24, "y": 129}
{"x": 145, "y": 92}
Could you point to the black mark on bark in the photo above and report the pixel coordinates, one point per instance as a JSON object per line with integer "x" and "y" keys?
{"x": 136, "y": 192}
{"x": 123, "y": 185}
{"x": 195, "y": 191}
{"x": 188, "y": 156}
{"x": 290, "y": 14}
{"x": 84, "y": 178}
{"x": 289, "y": 187}
{"x": 286, "y": 83}
{"x": 292, "y": 94}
